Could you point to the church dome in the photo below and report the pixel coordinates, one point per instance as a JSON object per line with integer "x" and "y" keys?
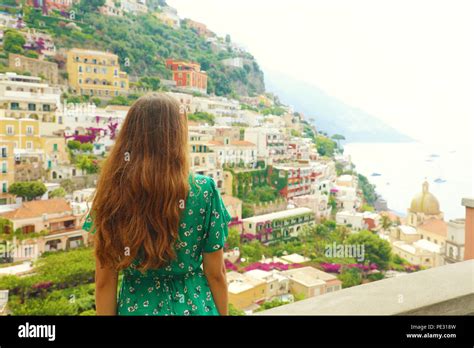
{"x": 425, "y": 202}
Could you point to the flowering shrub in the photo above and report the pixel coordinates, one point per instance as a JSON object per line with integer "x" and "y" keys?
{"x": 248, "y": 236}
{"x": 270, "y": 266}
{"x": 364, "y": 268}
{"x": 412, "y": 268}
{"x": 331, "y": 267}
{"x": 42, "y": 285}
{"x": 230, "y": 266}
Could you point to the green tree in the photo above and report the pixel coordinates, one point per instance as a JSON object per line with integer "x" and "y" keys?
{"x": 350, "y": 277}
{"x": 57, "y": 193}
{"x": 252, "y": 251}
{"x": 234, "y": 238}
{"x": 86, "y": 163}
{"x": 74, "y": 144}
{"x": 150, "y": 82}
{"x": 86, "y": 147}
{"x": 86, "y": 6}
{"x": 119, "y": 100}
{"x": 338, "y": 138}
{"x": 271, "y": 304}
{"x": 5, "y": 225}
{"x": 325, "y": 146}
{"x": 376, "y": 250}
{"x": 368, "y": 189}
{"x": 13, "y": 41}
{"x": 234, "y": 312}
{"x": 202, "y": 117}
{"x": 28, "y": 190}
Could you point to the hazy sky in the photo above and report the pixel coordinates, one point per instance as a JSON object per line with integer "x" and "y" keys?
{"x": 409, "y": 63}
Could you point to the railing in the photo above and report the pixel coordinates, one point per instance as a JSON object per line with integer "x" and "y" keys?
{"x": 445, "y": 290}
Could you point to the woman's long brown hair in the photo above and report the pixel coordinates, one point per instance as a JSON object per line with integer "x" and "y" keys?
{"x": 143, "y": 186}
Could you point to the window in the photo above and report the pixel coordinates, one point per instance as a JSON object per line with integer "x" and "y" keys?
{"x": 46, "y": 107}
{"x": 29, "y": 130}
{"x": 4, "y": 167}
{"x": 32, "y": 107}
{"x": 10, "y": 130}
{"x": 4, "y": 152}
{"x": 15, "y": 106}
{"x": 80, "y": 68}
{"x": 29, "y": 145}
{"x": 4, "y": 187}
{"x": 55, "y": 147}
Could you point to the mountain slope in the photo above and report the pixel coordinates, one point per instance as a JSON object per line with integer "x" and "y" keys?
{"x": 143, "y": 43}
{"x": 330, "y": 114}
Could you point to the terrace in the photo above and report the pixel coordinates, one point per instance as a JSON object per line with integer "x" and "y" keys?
{"x": 445, "y": 290}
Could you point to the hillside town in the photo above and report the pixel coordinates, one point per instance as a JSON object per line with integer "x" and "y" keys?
{"x": 284, "y": 181}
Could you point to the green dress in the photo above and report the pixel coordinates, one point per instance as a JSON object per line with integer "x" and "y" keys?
{"x": 180, "y": 288}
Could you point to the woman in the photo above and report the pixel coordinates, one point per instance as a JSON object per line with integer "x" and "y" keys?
{"x": 152, "y": 219}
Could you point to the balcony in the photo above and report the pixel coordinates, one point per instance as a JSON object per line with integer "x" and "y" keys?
{"x": 445, "y": 290}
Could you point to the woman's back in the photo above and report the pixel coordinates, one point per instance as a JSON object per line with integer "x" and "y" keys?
{"x": 180, "y": 288}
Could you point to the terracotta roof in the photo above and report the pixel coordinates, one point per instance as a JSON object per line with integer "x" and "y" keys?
{"x": 38, "y": 208}
{"x": 436, "y": 226}
{"x": 241, "y": 143}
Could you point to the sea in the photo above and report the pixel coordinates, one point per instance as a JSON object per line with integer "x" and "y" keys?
{"x": 399, "y": 169}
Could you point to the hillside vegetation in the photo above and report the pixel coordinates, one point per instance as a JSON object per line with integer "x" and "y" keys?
{"x": 143, "y": 43}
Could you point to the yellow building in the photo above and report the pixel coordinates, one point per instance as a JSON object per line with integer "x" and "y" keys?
{"x": 23, "y": 133}
{"x": 245, "y": 293}
{"x": 7, "y": 170}
{"x": 96, "y": 73}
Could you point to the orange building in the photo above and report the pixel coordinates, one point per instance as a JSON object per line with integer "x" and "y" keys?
{"x": 188, "y": 75}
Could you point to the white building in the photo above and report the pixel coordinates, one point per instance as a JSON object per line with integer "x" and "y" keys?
{"x": 357, "y": 221}
{"x": 277, "y": 284}
{"x": 8, "y": 21}
{"x": 236, "y": 62}
{"x": 422, "y": 252}
{"x": 281, "y": 225}
{"x": 454, "y": 251}
{"x": 311, "y": 282}
{"x": 204, "y": 161}
{"x": 28, "y": 97}
{"x": 319, "y": 203}
{"x": 234, "y": 152}
{"x": 271, "y": 144}
{"x": 218, "y": 106}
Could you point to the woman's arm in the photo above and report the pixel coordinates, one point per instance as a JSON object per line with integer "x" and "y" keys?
{"x": 214, "y": 269}
{"x": 105, "y": 290}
